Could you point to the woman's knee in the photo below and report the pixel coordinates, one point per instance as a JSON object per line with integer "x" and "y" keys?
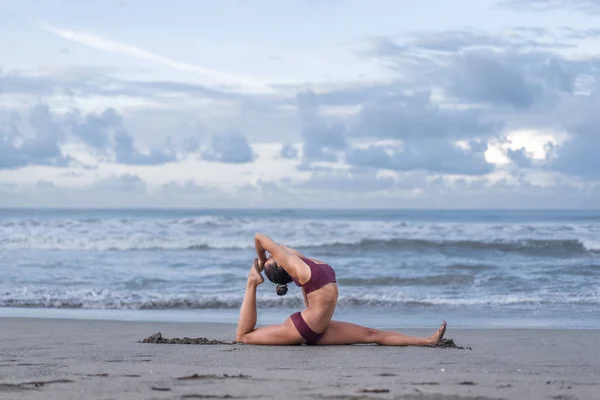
{"x": 372, "y": 335}
{"x": 241, "y": 337}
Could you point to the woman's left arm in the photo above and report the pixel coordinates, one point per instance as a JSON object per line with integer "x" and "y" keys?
{"x": 260, "y": 252}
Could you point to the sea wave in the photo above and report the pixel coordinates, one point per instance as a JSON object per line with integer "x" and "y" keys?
{"x": 538, "y": 247}
{"x": 431, "y": 280}
{"x": 150, "y": 232}
{"x": 106, "y": 299}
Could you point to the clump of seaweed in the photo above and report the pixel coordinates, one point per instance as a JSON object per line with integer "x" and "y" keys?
{"x": 157, "y": 338}
{"x": 449, "y": 344}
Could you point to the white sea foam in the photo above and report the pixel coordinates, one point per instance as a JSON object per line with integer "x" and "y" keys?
{"x": 214, "y": 232}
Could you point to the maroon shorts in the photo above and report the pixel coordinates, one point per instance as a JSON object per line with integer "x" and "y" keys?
{"x": 310, "y": 336}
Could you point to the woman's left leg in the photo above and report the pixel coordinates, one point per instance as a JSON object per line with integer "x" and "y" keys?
{"x": 284, "y": 334}
{"x": 341, "y": 333}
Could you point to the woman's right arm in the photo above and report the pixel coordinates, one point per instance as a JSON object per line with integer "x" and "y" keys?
{"x": 293, "y": 251}
{"x": 263, "y": 243}
{"x": 293, "y": 265}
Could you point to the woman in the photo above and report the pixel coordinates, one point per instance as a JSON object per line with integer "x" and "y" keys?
{"x": 313, "y": 325}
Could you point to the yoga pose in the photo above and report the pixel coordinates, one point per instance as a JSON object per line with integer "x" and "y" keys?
{"x": 313, "y": 325}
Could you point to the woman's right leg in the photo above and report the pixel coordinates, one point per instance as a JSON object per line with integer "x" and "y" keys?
{"x": 246, "y": 332}
{"x": 341, "y": 333}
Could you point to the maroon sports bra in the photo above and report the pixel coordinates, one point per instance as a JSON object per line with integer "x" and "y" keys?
{"x": 320, "y": 275}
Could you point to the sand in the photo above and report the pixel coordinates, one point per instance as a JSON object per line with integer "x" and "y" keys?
{"x": 86, "y": 359}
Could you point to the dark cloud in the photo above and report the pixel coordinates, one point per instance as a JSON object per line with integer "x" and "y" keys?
{"x": 47, "y": 134}
{"x": 105, "y": 133}
{"x": 481, "y": 77}
{"x": 500, "y": 78}
{"x": 419, "y": 56}
{"x": 510, "y": 79}
{"x": 415, "y": 117}
{"x": 288, "y": 151}
{"x": 231, "y": 147}
{"x": 438, "y": 156}
{"x": 35, "y": 141}
{"x": 322, "y": 139}
{"x": 545, "y": 5}
{"x": 519, "y": 157}
{"x": 427, "y": 131}
{"x": 579, "y": 155}
{"x": 516, "y": 69}
{"x": 94, "y": 129}
{"x": 126, "y": 153}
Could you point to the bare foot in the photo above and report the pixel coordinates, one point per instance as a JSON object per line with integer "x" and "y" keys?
{"x": 254, "y": 276}
{"x": 439, "y": 335}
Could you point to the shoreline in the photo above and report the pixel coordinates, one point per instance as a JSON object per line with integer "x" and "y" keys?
{"x": 276, "y": 316}
{"x": 68, "y": 357}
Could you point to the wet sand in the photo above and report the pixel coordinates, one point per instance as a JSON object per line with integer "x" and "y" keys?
{"x": 87, "y": 359}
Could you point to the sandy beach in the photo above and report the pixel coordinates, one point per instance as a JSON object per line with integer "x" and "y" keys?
{"x": 76, "y": 359}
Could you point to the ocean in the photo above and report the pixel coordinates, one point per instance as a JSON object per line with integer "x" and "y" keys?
{"x": 395, "y": 268}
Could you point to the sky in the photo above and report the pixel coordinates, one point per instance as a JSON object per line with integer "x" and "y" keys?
{"x": 300, "y": 103}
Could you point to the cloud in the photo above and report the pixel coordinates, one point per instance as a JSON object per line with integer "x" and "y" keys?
{"x": 126, "y": 153}
{"x": 405, "y": 140}
{"x": 231, "y": 147}
{"x": 516, "y": 38}
{"x": 110, "y": 191}
{"x": 288, "y": 151}
{"x": 121, "y": 183}
{"x": 498, "y": 84}
{"x": 438, "y": 156}
{"x": 440, "y": 43}
{"x": 37, "y": 144}
{"x": 578, "y": 156}
{"x": 83, "y": 82}
{"x": 106, "y": 134}
{"x": 39, "y": 139}
{"x": 519, "y": 157}
{"x": 509, "y": 79}
{"x": 466, "y": 62}
{"x": 545, "y": 5}
{"x": 428, "y": 134}
{"x": 95, "y": 129}
{"x": 418, "y": 57}
{"x": 480, "y": 77}
{"x": 415, "y": 117}
{"x": 322, "y": 139}
{"x": 333, "y": 180}
{"x": 100, "y": 43}
{"x": 118, "y": 190}
{"x": 338, "y": 188}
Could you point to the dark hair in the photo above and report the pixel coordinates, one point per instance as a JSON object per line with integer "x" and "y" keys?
{"x": 278, "y": 275}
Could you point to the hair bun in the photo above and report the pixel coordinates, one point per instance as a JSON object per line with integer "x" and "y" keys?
{"x": 281, "y": 290}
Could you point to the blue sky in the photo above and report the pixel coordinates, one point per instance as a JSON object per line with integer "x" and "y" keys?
{"x": 300, "y": 103}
